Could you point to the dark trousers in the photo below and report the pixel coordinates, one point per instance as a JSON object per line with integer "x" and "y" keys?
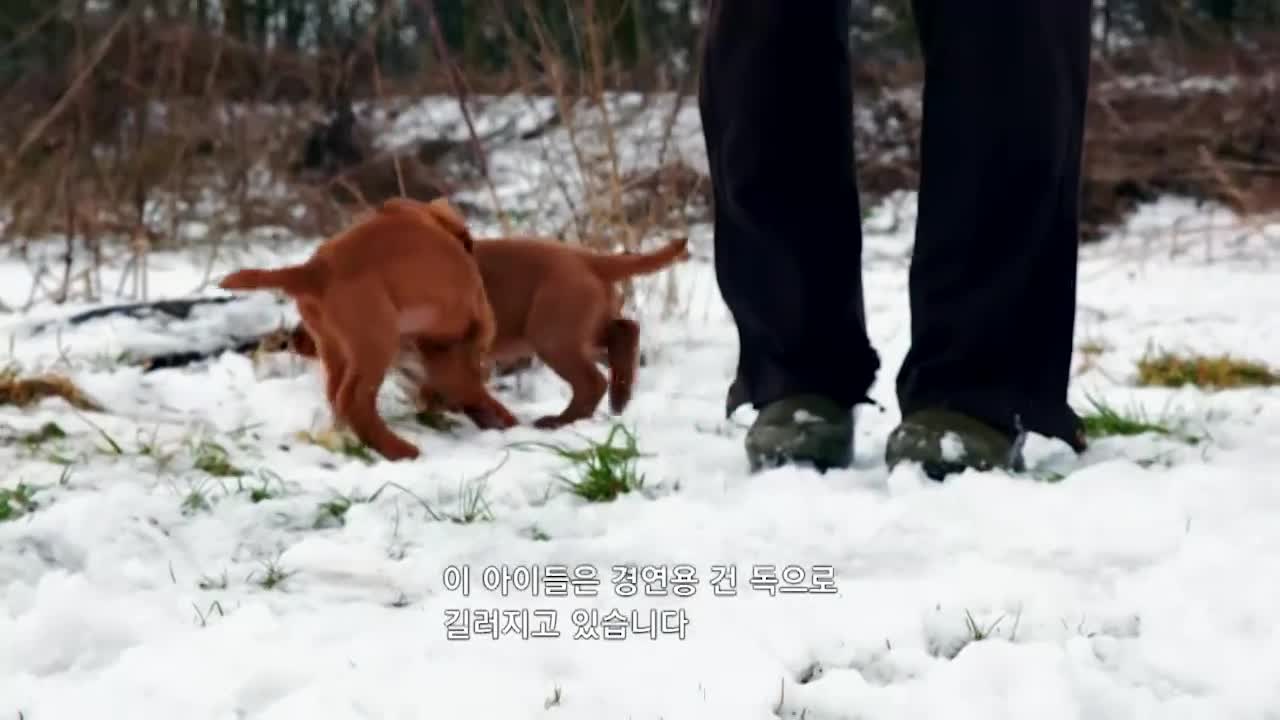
{"x": 993, "y": 273}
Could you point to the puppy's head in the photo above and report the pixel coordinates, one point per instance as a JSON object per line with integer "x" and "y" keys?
{"x": 439, "y": 212}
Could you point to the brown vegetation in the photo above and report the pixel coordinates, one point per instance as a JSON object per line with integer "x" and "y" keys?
{"x": 152, "y": 126}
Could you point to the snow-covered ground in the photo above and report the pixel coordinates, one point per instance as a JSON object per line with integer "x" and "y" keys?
{"x": 1143, "y": 584}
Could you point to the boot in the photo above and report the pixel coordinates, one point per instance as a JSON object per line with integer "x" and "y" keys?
{"x": 946, "y": 442}
{"x": 801, "y": 430}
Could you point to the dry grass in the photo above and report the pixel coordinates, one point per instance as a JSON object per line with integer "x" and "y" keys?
{"x": 1218, "y": 372}
{"x": 88, "y": 158}
{"x": 339, "y": 441}
{"x": 26, "y": 391}
{"x": 1091, "y": 351}
{"x": 162, "y": 135}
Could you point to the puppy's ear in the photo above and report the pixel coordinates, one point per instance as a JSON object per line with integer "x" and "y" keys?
{"x": 448, "y": 216}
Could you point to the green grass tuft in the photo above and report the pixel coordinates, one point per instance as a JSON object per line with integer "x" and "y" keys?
{"x": 1105, "y": 420}
{"x": 196, "y": 500}
{"x": 46, "y": 432}
{"x": 202, "y": 617}
{"x": 601, "y": 471}
{"x": 472, "y": 505}
{"x": 273, "y": 576}
{"x": 17, "y": 501}
{"x": 333, "y": 513}
{"x": 213, "y": 459}
{"x": 978, "y": 633}
{"x": 263, "y": 491}
{"x": 113, "y": 447}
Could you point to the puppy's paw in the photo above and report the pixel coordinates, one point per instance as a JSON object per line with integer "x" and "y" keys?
{"x": 619, "y": 398}
{"x": 550, "y": 422}
{"x": 400, "y": 451}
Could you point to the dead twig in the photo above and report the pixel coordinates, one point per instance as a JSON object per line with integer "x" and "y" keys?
{"x": 460, "y": 92}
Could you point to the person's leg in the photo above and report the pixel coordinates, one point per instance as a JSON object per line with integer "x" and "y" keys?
{"x": 993, "y": 275}
{"x": 776, "y": 102}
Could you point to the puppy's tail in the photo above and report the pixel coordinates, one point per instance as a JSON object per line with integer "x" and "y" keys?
{"x": 613, "y": 268}
{"x": 297, "y": 280}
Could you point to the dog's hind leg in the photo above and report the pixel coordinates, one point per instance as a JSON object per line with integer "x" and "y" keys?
{"x": 621, "y": 338}
{"x": 576, "y": 366}
{"x": 369, "y": 333}
{"x": 328, "y": 349}
{"x": 565, "y": 322}
{"x": 360, "y": 400}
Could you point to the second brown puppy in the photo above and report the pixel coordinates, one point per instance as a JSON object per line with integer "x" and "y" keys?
{"x": 557, "y": 302}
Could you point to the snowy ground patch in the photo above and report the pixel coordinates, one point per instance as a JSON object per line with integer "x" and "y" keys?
{"x": 189, "y": 554}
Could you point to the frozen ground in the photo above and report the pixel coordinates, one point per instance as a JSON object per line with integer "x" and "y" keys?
{"x": 1142, "y": 585}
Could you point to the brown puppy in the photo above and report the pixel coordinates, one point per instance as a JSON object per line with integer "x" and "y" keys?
{"x": 396, "y": 272}
{"x": 555, "y": 301}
